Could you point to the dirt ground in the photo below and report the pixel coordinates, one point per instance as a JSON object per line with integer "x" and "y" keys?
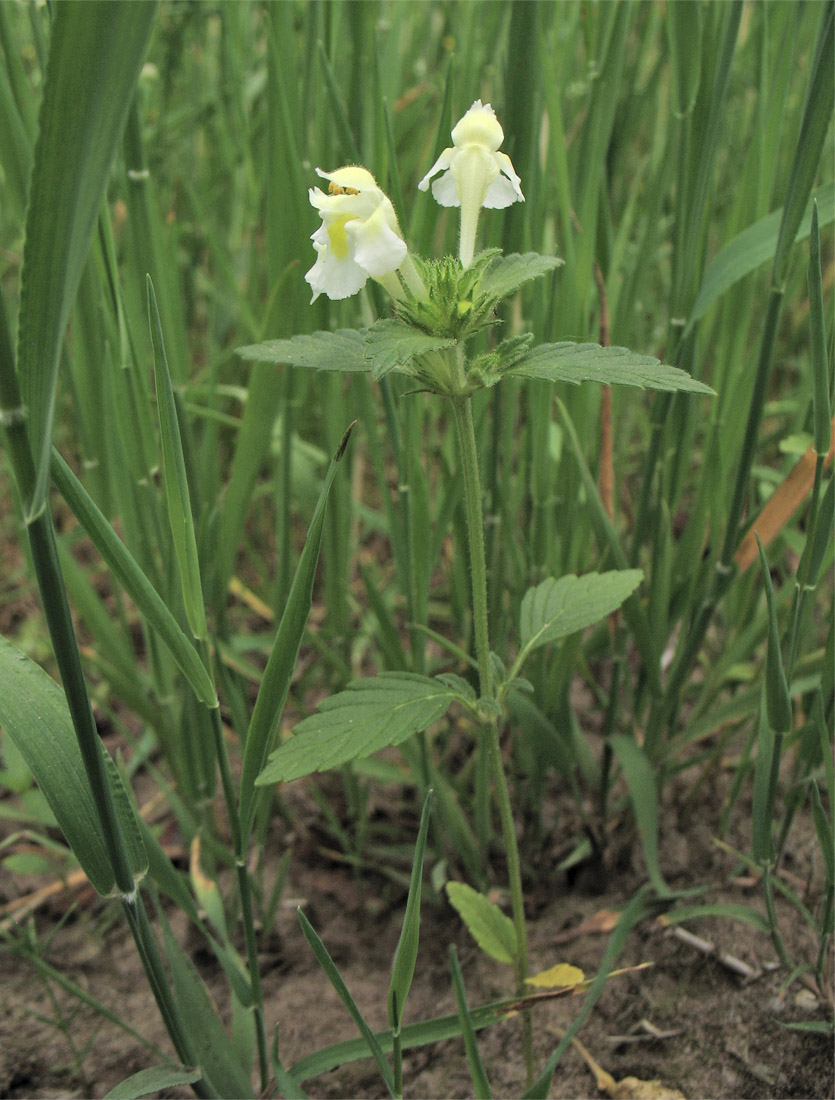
{"x": 720, "y": 1033}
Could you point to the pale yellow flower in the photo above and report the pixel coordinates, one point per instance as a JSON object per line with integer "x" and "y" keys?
{"x": 475, "y": 173}
{"x": 359, "y": 235}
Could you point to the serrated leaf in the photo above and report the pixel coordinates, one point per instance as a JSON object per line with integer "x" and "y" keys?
{"x": 368, "y": 716}
{"x": 390, "y": 345}
{"x": 343, "y": 350}
{"x": 563, "y": 974}
{"x": 507, "y": 273}
{"x": 487, "y": 924}
{"x": 575, "y": 363}
{"x": 458, "y": 684}
{"x": 557, "y": 608}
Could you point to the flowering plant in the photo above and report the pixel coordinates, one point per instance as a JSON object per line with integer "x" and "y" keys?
{"x": 438, "y": 306}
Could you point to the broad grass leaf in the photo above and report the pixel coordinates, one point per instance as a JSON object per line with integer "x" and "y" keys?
{"x": 343, "y": 350}
{"x": 487, "y": 924}
{"x": 34, "y": 714}
{"x": 752, "y": 248}
{"x": 212, "y": 1045}
{"x": 684, "y": 34}
{"x": 149, "y": 1082}
{"x": 643, "y": 792}
{"x": 507, "y": 273}
{"x": 390, "y": 345}
{"x": 557, "y": 608}
{"x": 814, "y": 126}
{"x": 95, "y": 55}
{"x": 368, "y": 716}
{"x": 575, "y": 363}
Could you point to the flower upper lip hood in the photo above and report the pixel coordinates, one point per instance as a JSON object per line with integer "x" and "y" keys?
{"x": 359, "y": 235}
{"x": 475, "y": 173}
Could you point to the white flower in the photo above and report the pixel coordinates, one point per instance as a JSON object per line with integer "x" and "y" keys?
{"x": 476, "y": 175}
{"x": 359, "y": 235}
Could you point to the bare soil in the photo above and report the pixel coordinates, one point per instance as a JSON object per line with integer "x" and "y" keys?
{"x": 722, "y": 1035}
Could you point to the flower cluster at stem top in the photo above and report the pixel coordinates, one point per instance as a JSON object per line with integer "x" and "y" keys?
{"x": 360, "y": 236}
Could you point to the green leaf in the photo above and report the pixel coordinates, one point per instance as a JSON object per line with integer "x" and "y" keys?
{"x": 368, "y": 716}
{"x": 212, "y": 1045}
{"x": 637, "y": 910}
{"x": 149, "y": 1081}
{"x": 343, "y": 350}
{"x": 644, "y": 794}
{"x": 405, "y": 956}
{"x": 177, "y": 496}
{"x": 390, "y": 345}
{"x": 608, "y": 540}
{"x": 507, "y": 273}
{"x": 481, "y": 1085}
{"x": 275, "y": 683}
{"x": 557, "y": 608}
{"x": 95, "y": 55}
{"x": 288, "y": 1086}
{"x": 753, "y": 247}
{"x": 764, "y": 788}
{"x": 817, "y": 323}
{"x": 824, "y": 831}
{"x": 34, "y": 714}
{"x": 487, "y": 924}
{"x": 126, "y": 570}
{"x": 726, "y": 910}
{"x": 575, "y": 363}
{"x": 777, "y": 698}
{"x": 814, "y": 126}
{"x": 336, "y": 980}
{"x": 684, "y": 34}
{"x": 817, "y": 1027}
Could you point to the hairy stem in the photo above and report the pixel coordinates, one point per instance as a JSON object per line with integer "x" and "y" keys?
{"x": 462, "y": 408}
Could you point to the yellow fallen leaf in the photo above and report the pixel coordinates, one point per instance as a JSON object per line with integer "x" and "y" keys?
{"x": 633, "y": 1088}
{"x": 563, "y": 974}
{"x": 630, "y": 1088}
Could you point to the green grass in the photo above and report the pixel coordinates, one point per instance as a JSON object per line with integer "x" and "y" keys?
{"x": 668, "y": 155}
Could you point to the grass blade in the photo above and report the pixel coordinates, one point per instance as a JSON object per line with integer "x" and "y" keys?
{"x": 644, "y": 795}
{"x": 275, "y": 683}
{"x": 177, "y": 493}
{"x": 481, "y": 1086}
{"x": 133, "y": 580}
{"x": 94, "y": 60}
{"x": 33, "y": 712}
{"x": 329, "y": 967}
{"x": 407, "y": 947}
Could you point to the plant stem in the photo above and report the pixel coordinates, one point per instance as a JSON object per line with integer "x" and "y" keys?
{"x": 244, "y": 891}
{"x": 462, "y": 409}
